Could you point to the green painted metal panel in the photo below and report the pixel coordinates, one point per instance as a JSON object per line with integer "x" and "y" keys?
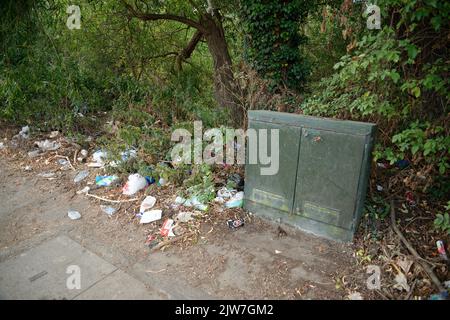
{"x": 323, "y": 173}
{"x": 276, "y": 191}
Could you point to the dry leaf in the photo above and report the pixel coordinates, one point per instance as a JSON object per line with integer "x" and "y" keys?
{"x": 401, "y": 282}
{"x": 404, "y": 263}
{"x": 355, "y": 296}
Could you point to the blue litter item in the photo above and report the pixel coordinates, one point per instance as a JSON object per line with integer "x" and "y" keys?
{"x": 443, "y": 295}
{"x": 402, "y": 164}
{"x": 150, "y": 180}
{"x": 105, "y": 181}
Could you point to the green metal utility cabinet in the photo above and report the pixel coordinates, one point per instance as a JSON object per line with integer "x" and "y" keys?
{"x": 323, "y": 171}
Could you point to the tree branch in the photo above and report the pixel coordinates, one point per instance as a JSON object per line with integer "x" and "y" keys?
{"x": 187, "y": 51}
{"x": 164, "y": 16}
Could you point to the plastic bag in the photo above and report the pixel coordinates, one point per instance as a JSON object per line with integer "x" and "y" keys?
{"x": 135, "y": 183}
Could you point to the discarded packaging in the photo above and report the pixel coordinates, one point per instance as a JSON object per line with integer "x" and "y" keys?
{"x": 382, "y": 165}
{"x": 166, "y": 229}
{"x": 99, "y": 157}
{"x": 234, "y": 224}
{"x": 226, "y": 193}
{"x": 125, "y": 156}
{"x": 184, "y": 217}
{"x": 147, "y": 204}
{"x": 441, "y": 249}
{"x": 84, "y": 190}
{"x": 105, "y": 181}
{"x": 108, "y": 210}
{"x": 191, "y": 202}
{"x": 24, "y": 133}
{"x": 81, "y": 176}
{"x": 162, "y": 182}
{"x": 135, "y": 183}
{"x": 34, "y": 153}
{"x": 53, "y": 134}
{"x": 236, "y": 201}
{"x": 47, "y": 145}
{"x": 2, "y": 145}
{"x": 439, "y": 296}
{"x": 150, "y": 216}
{"x": 197, "y": 204}
{"x": 180, "y": 200}
{"x": 63, "y": 162}
{"x": 95, "y": 165}
{"x": 219, "y": 200}
{"x": 379, "y": 188}
{"x": 74, "y": 215}
{"x": 150, "y": 180}
{"x": 46, "y": 174}
{"x": 83, "y": 155}
{"x": 151, "y": 241}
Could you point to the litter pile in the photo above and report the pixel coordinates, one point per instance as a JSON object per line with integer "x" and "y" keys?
{"x": 167, "y": 211}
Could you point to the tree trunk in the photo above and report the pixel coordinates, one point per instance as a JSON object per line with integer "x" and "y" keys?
{"x": 210, "y": 25}
{"x": 225, "y": 87}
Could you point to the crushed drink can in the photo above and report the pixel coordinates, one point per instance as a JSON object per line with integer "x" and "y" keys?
{"x": 167, "y": 227}
{"x": 236, "y": 223}
{"x": 441, "y": 249}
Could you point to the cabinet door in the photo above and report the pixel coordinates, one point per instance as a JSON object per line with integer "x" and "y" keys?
{"x": 328, "y": 175}
{"x": 275, "y": 191}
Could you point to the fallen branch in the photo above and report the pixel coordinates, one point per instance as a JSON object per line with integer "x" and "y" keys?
{"x": 109, "y": 200}
{"x": 75, "y": 156}
{"x": 411, "y": 249}
{"x": 170, "y": 241}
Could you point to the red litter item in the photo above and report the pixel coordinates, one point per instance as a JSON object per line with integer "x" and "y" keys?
{"x": 234, "y": 224}
{"x": 150, "y": 238}
{"x": 410, "y": 198}
{"x": 441, "y": 249}
{"x": 166, "y": 227}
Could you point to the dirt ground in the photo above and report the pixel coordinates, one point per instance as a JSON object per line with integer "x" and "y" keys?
{"x": 260, "y": 260}
{"x": 256, "y": 261}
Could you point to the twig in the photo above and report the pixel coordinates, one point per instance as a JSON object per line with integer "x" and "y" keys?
{"x": 411, "y": 249}
{"x": 170, "y": 241}
{"x": 109, "y": 200}
{"x": 151, "y": 271}
{"x": 382, "y": 295}
{"x": 75, "y": 156}
{"x": 411, "y": 290}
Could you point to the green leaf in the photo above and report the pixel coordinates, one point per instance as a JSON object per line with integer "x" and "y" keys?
{"x": 436, "y": 22}
{"x": 394, "y": 76}
{"x": 439, "y": 219}
{"x": 412, "y": 51}
{"x": 442, "y": 168}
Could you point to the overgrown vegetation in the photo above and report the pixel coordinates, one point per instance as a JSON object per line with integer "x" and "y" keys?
{"x": 396, "y": 77}
{"x": 273, "y": 40}
{"x": 136, "y": 70}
